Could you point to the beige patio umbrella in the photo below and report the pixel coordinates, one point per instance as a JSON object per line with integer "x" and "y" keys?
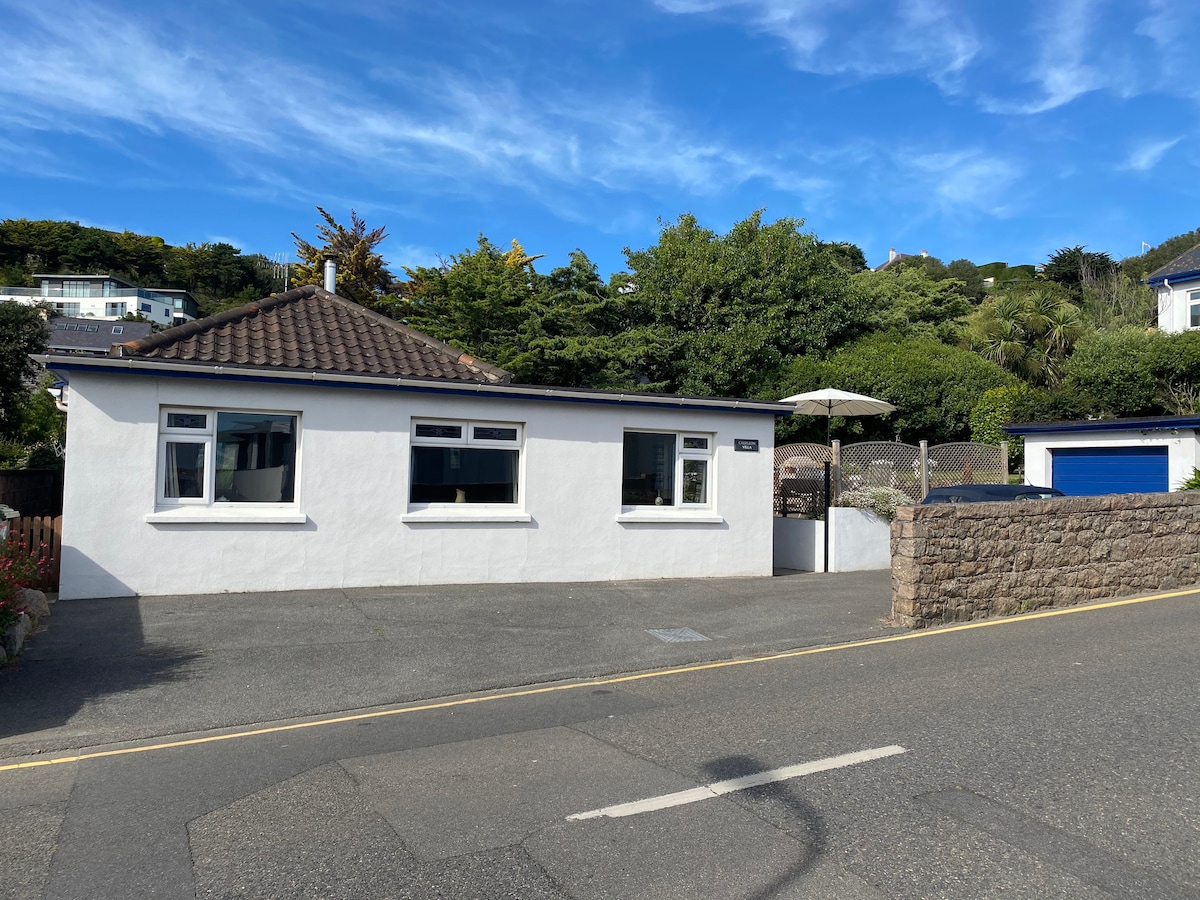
{"x": 830, "y": 402}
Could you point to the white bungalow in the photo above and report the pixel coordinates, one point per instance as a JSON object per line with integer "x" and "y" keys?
{"x": 306, "y": 442}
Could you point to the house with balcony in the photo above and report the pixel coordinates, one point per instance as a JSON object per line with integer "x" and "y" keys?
{"x": 106, "y": 297}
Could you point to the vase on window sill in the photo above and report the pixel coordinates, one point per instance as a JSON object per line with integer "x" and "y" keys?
{"x": 460, "y": 496}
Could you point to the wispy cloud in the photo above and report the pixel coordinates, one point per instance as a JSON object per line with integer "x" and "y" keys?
{"x": 1148, "y": 155}
{"x": 82, "y": 65}
{"x": 964, "y": 179}
{"x": 912, "y": 36}
{"x": 1063, "y": 70}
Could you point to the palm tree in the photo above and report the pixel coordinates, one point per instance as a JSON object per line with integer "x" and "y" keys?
{"x": 1029, "y": 333}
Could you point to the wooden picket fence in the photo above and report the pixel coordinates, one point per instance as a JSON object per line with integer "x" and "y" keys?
{"x": 35, "y": 531}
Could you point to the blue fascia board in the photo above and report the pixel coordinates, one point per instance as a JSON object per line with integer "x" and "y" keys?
{"x": 630, "y": 399}
{"x": 1178, "y": 276}
{"x": 1171, "y": 423}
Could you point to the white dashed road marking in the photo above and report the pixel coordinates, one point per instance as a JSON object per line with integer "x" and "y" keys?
{"x": 719, "y": 788}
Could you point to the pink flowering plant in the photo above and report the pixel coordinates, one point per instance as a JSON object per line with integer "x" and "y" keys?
{"x": 20, "y": 566}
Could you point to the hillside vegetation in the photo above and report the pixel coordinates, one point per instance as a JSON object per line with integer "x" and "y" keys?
{"x": 764, "y": 310}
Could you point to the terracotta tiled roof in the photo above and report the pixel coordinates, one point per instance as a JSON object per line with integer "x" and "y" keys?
{"x": 1184, "y": 264}
{"x": 312, "y": 330}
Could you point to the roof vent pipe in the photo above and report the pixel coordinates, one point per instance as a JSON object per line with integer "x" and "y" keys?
{"x": 330, "y": 274}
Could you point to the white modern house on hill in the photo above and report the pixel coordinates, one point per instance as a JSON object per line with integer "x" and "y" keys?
{"x": 106, "y": 297}
{"x": 304, "y": 441}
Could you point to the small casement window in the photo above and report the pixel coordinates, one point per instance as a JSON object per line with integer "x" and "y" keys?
{"x": 465, "y": 462}
{"x": 671, "y": 469}
{"x": 209, "y": 457}
{"x": 1194, "y": 309}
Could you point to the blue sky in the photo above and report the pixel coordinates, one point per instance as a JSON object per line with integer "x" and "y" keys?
{"x": 972, "y": 129}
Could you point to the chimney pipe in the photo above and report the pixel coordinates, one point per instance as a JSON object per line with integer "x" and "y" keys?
{"x": 330, "y": 274}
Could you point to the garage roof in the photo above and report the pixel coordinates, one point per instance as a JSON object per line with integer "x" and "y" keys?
{"x": 1148, "y": 423}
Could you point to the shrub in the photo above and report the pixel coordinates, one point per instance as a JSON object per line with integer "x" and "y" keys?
{"x": 1193, "y": 481}
{"x": 19, "y": 568}
{"x": 880, "y": 500}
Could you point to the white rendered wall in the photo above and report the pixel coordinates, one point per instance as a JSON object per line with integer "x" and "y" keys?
{"x": 1183, "y": 451}
{"x": 1173, "y": 305}
{"x": 352, "y": 487}
{"x": 799, "y": 544}
{"x": 859, "y": 541}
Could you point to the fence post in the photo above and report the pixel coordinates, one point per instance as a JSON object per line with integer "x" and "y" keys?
{"x": 828, "y": 503}
{"x": 1004, "y": 462}
{"x": 924, "y": 468}
{"x": 836, "y": 450}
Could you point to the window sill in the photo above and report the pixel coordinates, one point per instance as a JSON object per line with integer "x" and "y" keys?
{"x": 198, "y": 515}
{"x": 482, "y": 516}
{"x": 674, "y": 517}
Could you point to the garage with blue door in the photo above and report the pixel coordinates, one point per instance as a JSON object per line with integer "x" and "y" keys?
{"x": 1111, "y": 456}
{"x": 1091, "y": 471}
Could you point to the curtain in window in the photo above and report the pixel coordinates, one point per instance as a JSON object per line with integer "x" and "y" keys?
{"x": 171, "y": 489}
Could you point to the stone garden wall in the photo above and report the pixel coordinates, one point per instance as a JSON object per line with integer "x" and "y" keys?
{"x": 960, "y": 561}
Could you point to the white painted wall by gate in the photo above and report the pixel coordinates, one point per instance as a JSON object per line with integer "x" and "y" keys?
{"x": 859, "y": 541}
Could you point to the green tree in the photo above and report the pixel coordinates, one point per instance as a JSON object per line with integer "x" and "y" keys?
{"x": 968, "y": 273}
{"x": 933, "y": 386}
{"x": 1115, "y": 300}
{"x": 478, "y": 301}
{"x": 1115, "y": 370}
{"x": 849, "y": 256}
{"x": 1175, "y": 362}
{"x": 1072, "y": 267}
{"x": 1028, "y": 332}
{"x": 22, "y": 332}
{"x": 909, "y": 300}
{"x": 362, "y": 273}
{"x": 737, "y": 305}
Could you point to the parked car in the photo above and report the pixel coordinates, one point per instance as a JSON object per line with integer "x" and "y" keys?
{"x": 979, "y": 493}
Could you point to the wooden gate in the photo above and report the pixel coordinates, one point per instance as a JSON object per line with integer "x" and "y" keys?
{"x": 43, "y": 536}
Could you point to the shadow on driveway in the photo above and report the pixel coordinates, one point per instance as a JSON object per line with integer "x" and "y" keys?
{"x": 89, "y": 650}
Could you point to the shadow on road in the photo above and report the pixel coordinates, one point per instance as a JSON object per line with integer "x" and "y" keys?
{"x": 809, "y": 830}
{"x": 89, "y": 649}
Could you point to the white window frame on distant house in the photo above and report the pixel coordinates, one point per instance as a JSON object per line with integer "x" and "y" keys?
{"x": 668, "y": 474}
{"x": 116, "y": 308}
{"x": 479, "y": 448}
{"x": 202, "y": 478}
{"x": 1193, "y": 309}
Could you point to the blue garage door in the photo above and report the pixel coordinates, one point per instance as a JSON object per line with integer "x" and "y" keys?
{"x": 1090, "y": 471}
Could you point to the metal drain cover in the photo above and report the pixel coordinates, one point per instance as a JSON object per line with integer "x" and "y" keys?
{"x": 676, "y": 635}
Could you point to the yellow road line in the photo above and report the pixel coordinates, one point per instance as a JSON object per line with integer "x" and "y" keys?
{"x": 599, "y": 682}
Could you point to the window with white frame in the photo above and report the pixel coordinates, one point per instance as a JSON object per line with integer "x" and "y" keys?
{"x": 666, "y": 469}
{"x": 465, "y": 462}
{"x": 216, "y": 456}
{"x": 1194, "y": 309}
